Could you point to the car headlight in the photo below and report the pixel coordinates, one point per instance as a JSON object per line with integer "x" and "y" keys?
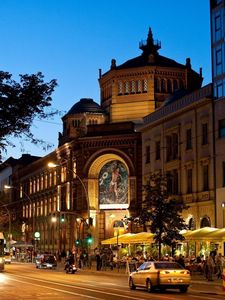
{"x": 2, "y": 260}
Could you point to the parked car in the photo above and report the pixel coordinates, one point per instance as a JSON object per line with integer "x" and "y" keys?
{"x": 2, "y": 263}
{"x": 160, "y": 275}
{"x": 8, "y": 259}
{"x": 46, "y": 261}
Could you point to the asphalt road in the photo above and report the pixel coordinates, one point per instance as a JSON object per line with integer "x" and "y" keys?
{"x": 24, "y": 281}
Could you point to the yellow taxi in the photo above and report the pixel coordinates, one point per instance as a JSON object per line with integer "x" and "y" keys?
{"x": 162, "y": 275}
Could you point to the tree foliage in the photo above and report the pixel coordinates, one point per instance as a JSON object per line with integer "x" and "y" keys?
{"x": 20, "y": 103}
{"x": 161, "y": 212}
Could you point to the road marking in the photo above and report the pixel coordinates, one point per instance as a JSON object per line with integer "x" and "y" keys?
{"x": 159, "y": 296}
{"x": 72, "y": 286}
{"x": 55, "y": 289}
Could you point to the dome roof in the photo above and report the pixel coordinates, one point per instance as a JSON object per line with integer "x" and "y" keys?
{"x": 85, "y": 105}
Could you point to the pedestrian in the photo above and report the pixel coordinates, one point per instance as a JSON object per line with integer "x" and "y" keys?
{"x": 98, "y": 262}
{"x": 210, "y": 267}
{"x": 180, "y": 260}
{"x": 219, "y": 265}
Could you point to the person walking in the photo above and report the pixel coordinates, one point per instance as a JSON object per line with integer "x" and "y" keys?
{"x": 210, "y": 267}
{"x": 98, "y": 262}
{"x": 219, "y": 265}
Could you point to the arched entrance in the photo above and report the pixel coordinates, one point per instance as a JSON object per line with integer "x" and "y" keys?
{"x": 110, "y": 187}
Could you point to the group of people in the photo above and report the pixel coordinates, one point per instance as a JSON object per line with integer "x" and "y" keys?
{"x": 213, "y": 264}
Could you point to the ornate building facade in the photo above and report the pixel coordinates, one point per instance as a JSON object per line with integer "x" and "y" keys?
{"x": 178, "y": 139}
{"x": 97, "y": 178}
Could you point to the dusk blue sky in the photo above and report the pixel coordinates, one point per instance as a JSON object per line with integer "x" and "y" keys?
{"x": 70, "y": 40}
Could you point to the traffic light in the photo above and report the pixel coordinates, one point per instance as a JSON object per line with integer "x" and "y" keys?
{"x": 78, "y": 242}
{"x": 89, "y": 239}
{"x": 62, "y": 218}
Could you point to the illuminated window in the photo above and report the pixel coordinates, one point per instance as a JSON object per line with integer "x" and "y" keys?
{"x": 138, "y": 83}
{"x": 46, "y": 207}
{"x": 120, "y": 88}
{"x": 50, "y": 204}
{"x": 42, "y": 182}
{"x": 54, "y": 203}
{"x": 38, "y": 184}
{"x": 63, "y": 173}
{"x": 145, "y": 85}
{"x": 46, "y": 180}
{"x": 50, "y": 179}
{"x": 132, "y": 87}
{"x": 30, "y": 186}
{"x": 68, "y": 195}
{"x": 42, "y": 208}
{"x": 127, "y": 87}
{"x": 55, "y": 177}
{"x": 34, "y": 186}
{"x": 38, "y": 208}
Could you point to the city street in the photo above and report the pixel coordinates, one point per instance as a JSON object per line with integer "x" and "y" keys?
{"x": 24, "y": 281}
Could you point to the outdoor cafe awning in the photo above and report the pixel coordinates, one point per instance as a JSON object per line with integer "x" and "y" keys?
{"x": 130, "y": 238}
{"x": 205, "y": 234}
{"x": 115, "y": 239}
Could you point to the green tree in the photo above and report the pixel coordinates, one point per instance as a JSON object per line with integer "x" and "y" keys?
{"x": 20, "y": 103}
{"x": 162, "y": 212}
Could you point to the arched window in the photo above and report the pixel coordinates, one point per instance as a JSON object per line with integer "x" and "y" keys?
{"x": 163, "y": 86}
{"x": 118, "y": 223}
{"x": 120, "y": 88}
{"x": 181, "y": 84}
{"x": 157, "y": 85}
{"x": 169, "y": 86}
{"x": 205, "y": 222}
{"x": 175, "y": 85}
{"x": 191, "y": 224}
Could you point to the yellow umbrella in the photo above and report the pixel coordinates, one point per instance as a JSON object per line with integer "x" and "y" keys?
{"x": 140, "y": 238}
{"x": 218, "y": 234}
{"x": 114, "y": 240}
{"x": 199, "y": 234}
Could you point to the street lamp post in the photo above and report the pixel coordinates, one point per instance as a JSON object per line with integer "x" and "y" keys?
{"x": 31, "y": 203}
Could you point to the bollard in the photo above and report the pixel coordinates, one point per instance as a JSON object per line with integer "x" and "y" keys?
{"x": 223, "y": 276}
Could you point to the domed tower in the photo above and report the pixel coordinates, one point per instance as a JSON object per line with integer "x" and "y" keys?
{"x": 83, "y": 113}
{"x": 137, "y": 87}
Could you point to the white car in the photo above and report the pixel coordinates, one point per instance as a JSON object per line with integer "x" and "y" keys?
{"x": 8, "y": 259}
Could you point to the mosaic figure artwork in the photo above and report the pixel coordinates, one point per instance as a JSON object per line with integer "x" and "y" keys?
{"x": 113, "y": 185}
